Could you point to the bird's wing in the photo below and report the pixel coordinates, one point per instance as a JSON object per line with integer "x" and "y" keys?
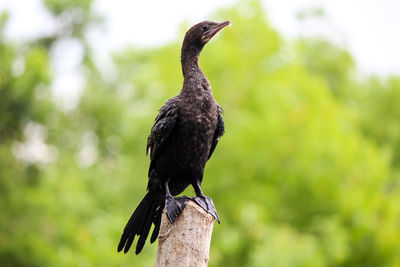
{"x": 162, "y": 128}
{"x": 219, "y": 131}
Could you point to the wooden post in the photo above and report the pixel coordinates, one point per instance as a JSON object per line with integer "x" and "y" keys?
{"x": 186, "y": 242}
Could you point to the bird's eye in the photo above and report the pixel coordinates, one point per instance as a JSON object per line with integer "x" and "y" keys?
{"x": 205, "y": 28}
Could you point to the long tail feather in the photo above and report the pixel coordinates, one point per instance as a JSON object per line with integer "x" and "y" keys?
{"x": 148, "y": 212}
{"x": 157, "y": 223}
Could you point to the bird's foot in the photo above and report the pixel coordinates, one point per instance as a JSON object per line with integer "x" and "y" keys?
{"x": 174, "y": 207}
{"x": 207, "y": 204}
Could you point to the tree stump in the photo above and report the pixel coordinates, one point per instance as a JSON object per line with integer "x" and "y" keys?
{"x": 186, "y": 242}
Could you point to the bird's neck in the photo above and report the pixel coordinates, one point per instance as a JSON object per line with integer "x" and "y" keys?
{"x": 190, "y": 61}
{"x": 195, "y": 81}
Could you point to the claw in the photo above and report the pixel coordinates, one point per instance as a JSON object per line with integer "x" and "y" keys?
{"x": 174, "y": 207}
{"x": 207, "y": 204}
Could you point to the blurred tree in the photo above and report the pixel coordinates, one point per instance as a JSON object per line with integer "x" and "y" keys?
{"x": 380, "y": 115}
{"x": 328, "y": 61}
{"x": 300, "y": 178}
{"x": 24, "y": 79}
{"x": 26, "y": 113}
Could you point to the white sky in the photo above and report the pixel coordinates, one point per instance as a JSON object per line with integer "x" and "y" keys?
{"x": 369, "y": 28}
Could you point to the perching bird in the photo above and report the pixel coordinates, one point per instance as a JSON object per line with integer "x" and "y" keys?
{"x": 182, "y": 139}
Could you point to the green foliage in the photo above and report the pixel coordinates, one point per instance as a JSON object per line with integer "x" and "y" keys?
{"x": 307, "y": 173}
{"x": 334, "y": 64}
{"x": 380, "y": 112}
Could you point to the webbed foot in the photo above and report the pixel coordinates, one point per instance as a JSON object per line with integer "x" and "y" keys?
{"x": 174, "y": 207}
{"x": 207, "y": 204}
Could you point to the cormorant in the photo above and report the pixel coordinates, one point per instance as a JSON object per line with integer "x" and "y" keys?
{"x": 182, "y": 139}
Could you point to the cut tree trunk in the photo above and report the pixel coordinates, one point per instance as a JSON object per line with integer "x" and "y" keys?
{"x": 186, "y": 242}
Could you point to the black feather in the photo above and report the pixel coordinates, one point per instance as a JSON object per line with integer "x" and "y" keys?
{"x": 184, "y": 135}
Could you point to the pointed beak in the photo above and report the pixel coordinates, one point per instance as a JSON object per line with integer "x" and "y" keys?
{"x": 213, "y": 31}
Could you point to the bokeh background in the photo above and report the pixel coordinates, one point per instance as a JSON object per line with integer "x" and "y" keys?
{"x": 307, "y": 173}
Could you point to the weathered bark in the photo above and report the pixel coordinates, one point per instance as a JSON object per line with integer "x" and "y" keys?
{"x": 186, "y": 242}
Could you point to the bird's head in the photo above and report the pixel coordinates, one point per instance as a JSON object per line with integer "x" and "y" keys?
{"x": 199, "y": 34}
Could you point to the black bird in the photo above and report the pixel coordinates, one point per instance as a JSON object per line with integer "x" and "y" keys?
{"x": 182, "y": 139}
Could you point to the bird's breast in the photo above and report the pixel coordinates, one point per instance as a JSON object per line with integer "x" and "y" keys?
{"x": 197, "y": 125}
